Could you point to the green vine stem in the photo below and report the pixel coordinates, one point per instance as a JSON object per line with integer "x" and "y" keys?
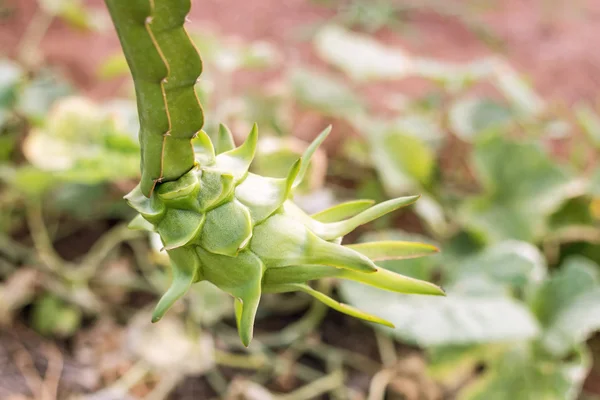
{"x": 165, "y": 66}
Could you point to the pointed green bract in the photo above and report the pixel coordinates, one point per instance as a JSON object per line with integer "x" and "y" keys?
{"x": 237, "y": 161}
{"x": 219, "y": 223}
{"x": 393, "y": 250}
{"x": 336, "y": 305}
{"x": 185, "y": 265}
{"x": 381, "y": 278}
{"x": 342, "y": 211}
{"x": 204, "y": 152}
{"x": 308, "y": 153}
{"x": 225, "y": 141}
{"x": 388, "y": 280}
{"x": 333, "y": 230}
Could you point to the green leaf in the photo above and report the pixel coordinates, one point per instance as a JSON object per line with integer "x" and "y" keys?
{"x": 517, "y": 90}
{"x": 595, "y": 184}
{"x": 472, "y": 116}
{"x": 519, "y": 375}
{"x": 455, "y": 319}
{"x": 452, "y": 364}
{"x": 38, "y": 95}
{"x": 82, "y": 142}
{"x": 589, "y": 121}
{"x": 10, "y": 76}
{"x": 520, "y": 192}
{"x": 403, "y": 157}
{"x": 325, "y": 94}
{"x": 468, "y": 315}
{"x": 52, "y": 316}
{"x": 510, "y": 264}
{"x": 568, "y": 305}
{"x": 361, "y": 57}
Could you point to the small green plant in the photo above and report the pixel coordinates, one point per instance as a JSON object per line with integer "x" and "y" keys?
{"x": 217, "y": 221}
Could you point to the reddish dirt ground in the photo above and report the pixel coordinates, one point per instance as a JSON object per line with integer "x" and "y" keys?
{"x": 554, "y": 42}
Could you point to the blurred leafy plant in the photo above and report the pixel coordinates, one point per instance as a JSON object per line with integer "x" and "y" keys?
{"x": 508, "y": 195}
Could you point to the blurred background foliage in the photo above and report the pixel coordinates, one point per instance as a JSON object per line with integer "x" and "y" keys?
{"x": 510, "y": 188}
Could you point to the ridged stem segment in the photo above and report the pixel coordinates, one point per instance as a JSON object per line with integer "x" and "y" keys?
{"x": 165, "y": 66}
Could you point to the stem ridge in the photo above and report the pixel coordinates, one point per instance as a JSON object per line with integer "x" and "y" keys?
{"x": 165, "y": 66}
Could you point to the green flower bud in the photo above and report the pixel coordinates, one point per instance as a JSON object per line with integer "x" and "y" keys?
{"x": 243, "y": 233}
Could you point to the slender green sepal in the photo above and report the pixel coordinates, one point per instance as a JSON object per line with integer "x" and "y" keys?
{"x": 388, "y": 280}
{"x": 334, "y": 230}
{"x": 336, "y": 305}
{"x": 203, "y": 149}
{"x": 382, "y": 278}
{"x": 393, "y": 250}
{"x": 308, "y": 153}
{"x": 225, "y": 141}
{"x": 185, "y": 265}
{"x": 342, "y": 211}
{"x": 238, "y": 160}
{"x": 245, "y": 310}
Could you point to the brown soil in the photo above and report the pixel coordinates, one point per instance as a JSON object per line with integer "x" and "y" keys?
{"x": 552, "y": 41}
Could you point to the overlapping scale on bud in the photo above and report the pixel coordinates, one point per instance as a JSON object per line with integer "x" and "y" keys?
{"x": 243, "y": 233}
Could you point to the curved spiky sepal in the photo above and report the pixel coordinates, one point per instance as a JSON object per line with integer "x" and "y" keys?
{"x": 243, "y": 233}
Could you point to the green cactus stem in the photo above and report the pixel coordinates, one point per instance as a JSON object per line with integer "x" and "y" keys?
{"x": 165, "y": 67}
